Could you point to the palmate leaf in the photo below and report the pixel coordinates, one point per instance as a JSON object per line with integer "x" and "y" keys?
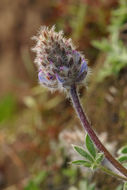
{"x": 82, "y": 162}
{"x": 83, "y": 153}
{"x": 90, "y": 146}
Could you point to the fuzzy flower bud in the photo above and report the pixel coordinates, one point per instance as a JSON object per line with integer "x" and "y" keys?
{"x": 60, "y": 65}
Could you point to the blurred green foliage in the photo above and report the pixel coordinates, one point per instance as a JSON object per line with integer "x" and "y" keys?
{"x": 78, "y": 21}
{"x": 70, "y": 174}
{"x": 113, "y": 46}
{"x": 35, "y": 183}
{"x": 84, "y": 185}
{"x": 120, "y": 187}
{"x": 7, "y": 107}
{"x": 125, "y": 186}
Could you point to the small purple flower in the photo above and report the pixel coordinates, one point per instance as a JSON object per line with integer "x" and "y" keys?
{"x": 60, "y": 65}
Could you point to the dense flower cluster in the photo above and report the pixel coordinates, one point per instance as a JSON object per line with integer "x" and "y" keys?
{"x": 60, "y": 65}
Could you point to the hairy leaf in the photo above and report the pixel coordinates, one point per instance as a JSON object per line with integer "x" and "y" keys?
{"x": 122, "y": 159}
{"x": 83, "y": 153}
{"x": 90, "y": 146}
{"x": 123, "y": 150}
{"x": 82, "y": 162}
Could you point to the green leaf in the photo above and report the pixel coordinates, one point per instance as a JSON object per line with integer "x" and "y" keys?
{"x": 90, "y": 146}
{"x": 100, "y": 157}
{"x": 83, "y": 153}
{"x": 123, "y": 150}
{"x": 122, "y": 159}
{"x": 82, "y": 162}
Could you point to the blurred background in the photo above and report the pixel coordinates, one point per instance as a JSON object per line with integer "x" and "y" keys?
{"x": 37, "y": 128}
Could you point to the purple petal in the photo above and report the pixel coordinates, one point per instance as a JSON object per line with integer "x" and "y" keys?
{"x": 84, "y": 67}
{"x": 41, "y": 77}
{"x": 59, "y": 79}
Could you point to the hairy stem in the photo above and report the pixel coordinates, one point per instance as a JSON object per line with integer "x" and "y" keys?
{"x": 92, "y": 134}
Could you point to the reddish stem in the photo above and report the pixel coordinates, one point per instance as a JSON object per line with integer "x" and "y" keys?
{"x": 92, "y": 134}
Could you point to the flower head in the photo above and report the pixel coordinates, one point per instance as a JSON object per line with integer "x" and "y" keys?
{"x": 60, "y": 65}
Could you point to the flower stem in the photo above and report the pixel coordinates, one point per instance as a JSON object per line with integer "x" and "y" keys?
{"x": 92, "y": 134}
{"x": 106, "y": 170}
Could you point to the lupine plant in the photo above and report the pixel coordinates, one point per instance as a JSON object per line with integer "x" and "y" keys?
{"x": 62, "y": 67}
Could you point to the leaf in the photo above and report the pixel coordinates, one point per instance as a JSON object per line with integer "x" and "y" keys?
{"x": 122, "y": 159}
{"x": 90, "y": 146}
{"x": 83, "y": 153}
{"x": 123, "y": 150}
{"x": 100, "y": 157}
{"x": 82, "y": 162}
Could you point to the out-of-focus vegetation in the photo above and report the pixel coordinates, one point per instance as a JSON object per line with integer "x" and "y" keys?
{"x": 7, "y": 107}
{"x": 115, "y": 45}
{"x": 35, "y": 151}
